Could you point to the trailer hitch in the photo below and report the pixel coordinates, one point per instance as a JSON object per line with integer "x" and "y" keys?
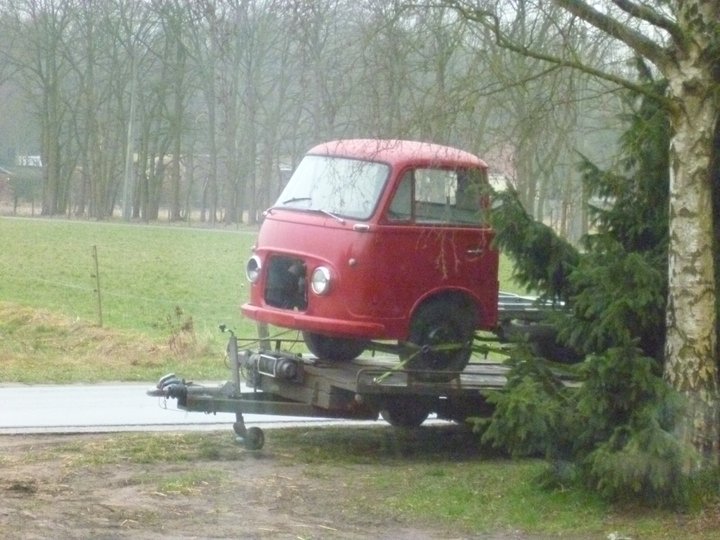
{"x": 171, "y": 386}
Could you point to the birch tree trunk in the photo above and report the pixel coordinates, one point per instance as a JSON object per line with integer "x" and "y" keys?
{"x": 691, "y": 365}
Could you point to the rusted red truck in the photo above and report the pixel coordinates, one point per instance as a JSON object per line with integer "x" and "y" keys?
{"x": 379, "y": 240}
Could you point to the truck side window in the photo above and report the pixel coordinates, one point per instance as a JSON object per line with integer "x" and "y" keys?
{"x": 447, "y": 197}
{"x": 401, "y": 205}
{"x": 471, "y": 198}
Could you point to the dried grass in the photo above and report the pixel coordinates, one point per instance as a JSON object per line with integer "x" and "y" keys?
{"x": 39, "y": 342}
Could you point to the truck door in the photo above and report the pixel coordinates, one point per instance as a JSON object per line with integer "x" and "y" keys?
{"x": 437, "y": 232}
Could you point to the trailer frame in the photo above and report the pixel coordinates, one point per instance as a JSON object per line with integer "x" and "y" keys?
{"x": 277, "y": 382}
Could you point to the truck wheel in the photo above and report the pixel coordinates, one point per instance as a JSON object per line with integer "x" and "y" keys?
{"x": 332, "y": 348}
{"x": 406, "y": 414}
{"x": 439, "y": 323}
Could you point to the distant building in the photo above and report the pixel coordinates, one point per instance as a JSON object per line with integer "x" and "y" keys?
{"x": 28, "y": 161}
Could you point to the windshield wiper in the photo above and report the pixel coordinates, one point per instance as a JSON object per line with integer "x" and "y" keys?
{"x": 320, "y": 210}
{"x": 296, "y": 199}
{"x": 329, "y": 213}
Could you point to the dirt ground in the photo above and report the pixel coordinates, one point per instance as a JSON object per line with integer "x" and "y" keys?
{"x": 48, "y": 491}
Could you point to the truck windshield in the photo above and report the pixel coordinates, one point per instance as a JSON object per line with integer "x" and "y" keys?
{"x": 337, "y": 186}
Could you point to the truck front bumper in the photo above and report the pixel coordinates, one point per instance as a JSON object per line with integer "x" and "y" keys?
{"x": 320, "y": 325}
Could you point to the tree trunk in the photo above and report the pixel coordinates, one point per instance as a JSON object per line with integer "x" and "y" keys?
{"x": 691, "y": 365}
{"x": 178, "y": 126}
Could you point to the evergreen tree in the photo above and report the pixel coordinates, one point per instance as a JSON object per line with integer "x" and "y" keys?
{"x": 613, "y": 432}
{"x": 620, "y": 284}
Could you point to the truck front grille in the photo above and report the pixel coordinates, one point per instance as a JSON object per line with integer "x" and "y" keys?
{"x": 286, "y": 283}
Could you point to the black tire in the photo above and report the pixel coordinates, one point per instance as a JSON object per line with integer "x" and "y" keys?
{"x": 542, "y": 339}
{"x": 405, "y": 413}
{"x": 438, "y": 323}
{"x": 333, "y": 348}
{"x": 254, "y": 438}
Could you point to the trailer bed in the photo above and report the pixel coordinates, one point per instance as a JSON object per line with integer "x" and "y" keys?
{"x": 329, "y": 390}
{"x": 275, "y": 382}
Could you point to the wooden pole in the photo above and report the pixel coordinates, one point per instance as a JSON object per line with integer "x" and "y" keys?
{"x": 97, "y": 287}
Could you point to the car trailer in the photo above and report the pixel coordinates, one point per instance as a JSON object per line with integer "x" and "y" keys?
{"x": 288, "y": 384}
{"x": 291, "y": 384}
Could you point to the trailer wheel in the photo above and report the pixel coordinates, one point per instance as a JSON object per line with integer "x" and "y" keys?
{"x": 436, "y": 324}
{"x": 406, "y": 414}
{"x": 254, "y": 438}
{"x": 334, "y": 348}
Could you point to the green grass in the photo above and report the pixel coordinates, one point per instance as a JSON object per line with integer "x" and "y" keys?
{"x": 146, "y": 273}
{"x": 163, "y": 290}
{"x": 188, "y": 483}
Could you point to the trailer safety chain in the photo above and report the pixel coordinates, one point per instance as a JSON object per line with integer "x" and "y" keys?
{"x": 417, "y": 350}
{"x": 483, "y": 349}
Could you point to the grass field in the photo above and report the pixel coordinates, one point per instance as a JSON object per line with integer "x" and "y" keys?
{"x": 146, "y": 273}
{"x": 164, "y": 291}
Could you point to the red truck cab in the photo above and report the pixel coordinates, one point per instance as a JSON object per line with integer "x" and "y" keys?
{"x": 379, "y": 240}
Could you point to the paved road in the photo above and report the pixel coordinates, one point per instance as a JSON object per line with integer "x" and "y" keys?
{"x": 110, "y": 407}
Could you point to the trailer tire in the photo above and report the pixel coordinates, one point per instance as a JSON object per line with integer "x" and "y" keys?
{"x": 254, "y": 438}
{"x": 436, "y": 323}
{"x": 334, "y": 348}
{"x": 405, "y": 413}
{"x": 542, "y": 339}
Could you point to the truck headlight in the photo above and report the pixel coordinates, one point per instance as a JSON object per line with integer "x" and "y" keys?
{"x": 252, "y": 270}
{"x": 320, "y": 280}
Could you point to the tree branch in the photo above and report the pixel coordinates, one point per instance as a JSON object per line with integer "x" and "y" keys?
{"x": 651, "y": 16}
{"x": 635, "y": 40}
{"x": 489, "y": 20}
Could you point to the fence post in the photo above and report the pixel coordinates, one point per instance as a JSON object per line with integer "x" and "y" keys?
{"x": 97, "y": 287}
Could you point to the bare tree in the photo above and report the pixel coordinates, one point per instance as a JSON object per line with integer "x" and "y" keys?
{"x": 38, "y": 28}
{"x": 97, "y": 131}
{"x": 134, "y": 28}
{"x": 248, "y": 85}
{"x": 203, "y": 36}
{"x": 174, "y": 21}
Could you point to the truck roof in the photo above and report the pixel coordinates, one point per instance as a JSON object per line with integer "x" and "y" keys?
{"x": 398, "y": 152}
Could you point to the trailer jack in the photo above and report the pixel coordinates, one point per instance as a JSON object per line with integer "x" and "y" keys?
{"x": 251, "y": 438}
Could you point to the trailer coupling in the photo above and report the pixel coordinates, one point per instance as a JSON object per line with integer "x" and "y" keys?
{"x": 171, "y": 386}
